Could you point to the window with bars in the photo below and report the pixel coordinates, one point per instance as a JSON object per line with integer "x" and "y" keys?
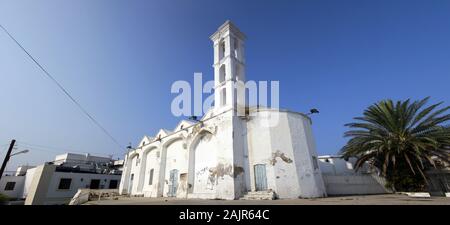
{"x": 10, "y": 186}
{"x": 113, "y": 184}
{"x": 64, "y": 184}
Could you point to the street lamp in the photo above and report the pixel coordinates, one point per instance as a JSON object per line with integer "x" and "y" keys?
{"x": 21, "y": 152}
{"x": 193, "y": 118}
{"x": 8, "y": 156}
{"x": 129, "y": 148}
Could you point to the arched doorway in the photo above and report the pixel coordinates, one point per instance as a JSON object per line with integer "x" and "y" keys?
{"x": 134, "y": 174}
{"x": 203, "y": 159}
{"x": 148, "y": 165}
{"x": 175, "y": 157}
{"x": 173, "y": 183}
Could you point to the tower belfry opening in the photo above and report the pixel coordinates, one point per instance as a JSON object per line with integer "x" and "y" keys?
{"x": 229, "y": 67}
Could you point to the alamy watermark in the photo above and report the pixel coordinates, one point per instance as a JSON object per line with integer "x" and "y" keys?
{"x": 233, "y": 94}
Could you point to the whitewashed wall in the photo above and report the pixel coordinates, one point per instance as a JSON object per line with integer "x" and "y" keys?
{"x": 176, "y": 158}
{"x": 205, "y": 158}
{"x": 135, "y": 172}
{"x": 357, "y": 184}
{"x": 28, "y": 179}
{"x": 152, "y": 161}
{"x": 287, "y": 150}
{"x": 17, "y": 192}
{"x": 79, "y": 180}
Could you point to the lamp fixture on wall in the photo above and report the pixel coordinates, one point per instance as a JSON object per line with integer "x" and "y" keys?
{"x": 313, "y": 111}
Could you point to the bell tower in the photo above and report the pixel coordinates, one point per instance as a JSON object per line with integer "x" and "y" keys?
{"x": 229, "y": 68}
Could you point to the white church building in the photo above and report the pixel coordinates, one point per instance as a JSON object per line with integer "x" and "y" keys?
{"x": 226, "y": 154}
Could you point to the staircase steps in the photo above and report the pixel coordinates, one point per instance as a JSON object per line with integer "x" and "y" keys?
{"x": 260, "y": 195}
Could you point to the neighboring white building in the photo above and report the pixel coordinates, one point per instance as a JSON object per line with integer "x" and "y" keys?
{"x": 58, "y": 181}
{"x": 226, "y": 156}
{"x": 12, "y": 184}
{"x": 22, "y": 170}
{"x": 87, "y": 162}
{"x": 49, "y": 186}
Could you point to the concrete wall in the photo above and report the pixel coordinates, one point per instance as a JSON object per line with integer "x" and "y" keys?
{"x": 356, "y": 184}
{"x": 37, "y": 191}
{"x": 341, "y": 179}
{"x": 16, "y": 193}
{"x": 28, "y": 179}
{"x": 439, "y": 183}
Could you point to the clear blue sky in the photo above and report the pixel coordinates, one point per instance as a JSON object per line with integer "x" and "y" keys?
{"x": 119, "y": 59}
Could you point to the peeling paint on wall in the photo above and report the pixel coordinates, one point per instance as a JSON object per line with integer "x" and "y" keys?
{"x": 222, "y": 170}
{"x": 210, "y": 130}
{"x": 280, "y": 155}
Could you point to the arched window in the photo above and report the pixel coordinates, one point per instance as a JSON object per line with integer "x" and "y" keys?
{"x": 223, "y": 101}
{"x": 221, "y": 49}
{"x": 238, "y": 73}
{"x": 236, "y": 47}
{"x": 222, "y": 74}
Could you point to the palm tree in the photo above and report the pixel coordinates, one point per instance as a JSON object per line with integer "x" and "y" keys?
{"x": 401, "y": 139}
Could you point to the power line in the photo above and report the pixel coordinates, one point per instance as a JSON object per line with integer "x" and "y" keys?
{"x": 40, "y": 149}
{"x": 64, "y": 90}
{"x": 54, "y": 149}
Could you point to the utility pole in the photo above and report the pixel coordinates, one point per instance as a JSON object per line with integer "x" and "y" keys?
{"x": 8, "y": 154}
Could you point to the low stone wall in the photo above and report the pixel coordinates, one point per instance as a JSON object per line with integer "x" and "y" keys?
{"x": 439, "y": 182}
{"x": 354, "y": 184}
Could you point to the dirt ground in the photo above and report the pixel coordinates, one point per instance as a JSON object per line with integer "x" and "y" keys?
{"x": 388, "y": 199}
